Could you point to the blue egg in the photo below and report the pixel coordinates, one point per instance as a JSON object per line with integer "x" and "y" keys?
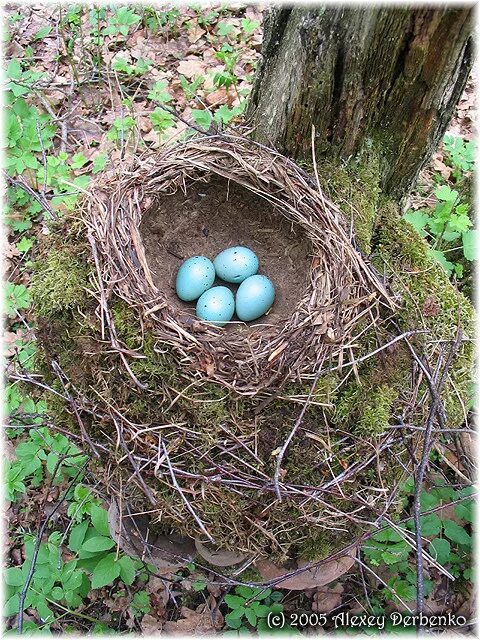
{"x": 195, "y": 276}
{"x": 236, "y": 264}
{"x": 255, "y": 296}
{"x": 216, "y": 305}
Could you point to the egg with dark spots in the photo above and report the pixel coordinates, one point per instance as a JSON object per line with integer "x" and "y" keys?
{"x": 254, "y": 297}
{"x": 195, "y": 276}
{"x": 216, "y": 305}
{"x": 236, "y": 264}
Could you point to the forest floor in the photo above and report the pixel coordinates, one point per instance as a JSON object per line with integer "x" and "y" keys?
{"x": 86, "y": 89}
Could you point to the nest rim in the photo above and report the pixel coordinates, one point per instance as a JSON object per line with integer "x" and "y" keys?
{"x": 342, "y": 286}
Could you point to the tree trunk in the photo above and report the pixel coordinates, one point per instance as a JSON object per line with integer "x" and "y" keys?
{"x": 377, "y": 77}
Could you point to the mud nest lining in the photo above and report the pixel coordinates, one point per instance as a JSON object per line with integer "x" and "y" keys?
{"x": 217, "y": 191}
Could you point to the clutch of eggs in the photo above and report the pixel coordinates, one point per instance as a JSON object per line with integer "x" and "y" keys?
{"x": 238, "y": 265}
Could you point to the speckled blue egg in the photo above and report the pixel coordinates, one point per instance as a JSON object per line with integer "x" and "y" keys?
{"x": 195, "y": 276}
{"x": 216, "y": 305}
{"x": 255, "y": 296}
{"x": 236, "y": 264}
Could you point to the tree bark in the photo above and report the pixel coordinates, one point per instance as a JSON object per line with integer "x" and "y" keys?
{"x": 387, "y": 78}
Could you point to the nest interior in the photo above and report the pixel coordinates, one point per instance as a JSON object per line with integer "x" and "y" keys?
{"x": 283, "y": 439}
{"x": 213, "y": 216}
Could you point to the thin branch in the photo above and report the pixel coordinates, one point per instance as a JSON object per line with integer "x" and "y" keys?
{"x": 38, "y": 541}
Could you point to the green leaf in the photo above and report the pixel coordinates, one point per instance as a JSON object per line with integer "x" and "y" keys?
{"x": 249, "y": 26}
{"x": 464, "y": 510}
{"x": 52, "y": 461}
{"x": 387, "y": 535}
{"x": 391, "y": 558}
{"x": 106, "y": 571}
{"x": 14, "y": 577}
{"x": 439, "y": 549}
{"x": 456, "y": 533}
{"x": 202, "y": 117}
{"x": 459, "y": 223}
{"x": 261, "y": 610}
{"x": 141, "y": 602}
{"x": 43, "y": 32}
{"x": 98, "y": 543}
{"x": 100, "y": 519}
{"x": 99, "y": 163}
{"x": 224, "y": 28}
{"x": 127, "y": 570}
{"x": 251, "y": 616}
{"x": 446, "y": 194}
{"x": 418, "y": 219}
{"x": 78, "y": 161}
{"x": 17, "y": 297}
{"x": 234, "y": 601}
{"x": 233, "y": 621}
{"x": 199, "y": 585}
{"x": 11, "y": 606}
{"x": 158, "y": 92}
{"x": 161, "y": 119}
{"x": 469, "y": 241}
{"x": 439, "y": 256}
{"x": 431, "y": 525}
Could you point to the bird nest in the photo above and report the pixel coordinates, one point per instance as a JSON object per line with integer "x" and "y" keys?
{"x": 209, "y": 193}
{"x": 284, "y": 437}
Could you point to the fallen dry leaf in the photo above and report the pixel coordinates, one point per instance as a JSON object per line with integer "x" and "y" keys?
{"x": 203, "y": 621}
{"x": 191, "y": 67}
{"x": 217, "y": 97}
{"x": 150, "y": 625}
{"x": 219, "y": 557}
{"x": 310, "y": 578}
{"x": 326, "y": 600}
{"x": 195, "y": 33}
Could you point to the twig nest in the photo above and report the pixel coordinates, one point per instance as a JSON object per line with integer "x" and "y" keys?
{"x": 321, "y": 292}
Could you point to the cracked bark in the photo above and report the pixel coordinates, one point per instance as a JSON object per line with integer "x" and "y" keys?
{"x": 388, "y": 77}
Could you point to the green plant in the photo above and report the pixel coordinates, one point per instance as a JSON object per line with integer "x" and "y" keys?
{"x": 17, "y": 297}
{"x": 40, "y": 454}
{"x": 140, "y": 604}
{"x": 155, "y": 19}
{"x": 223, "y": 115}
{"x": 158, "y": 92}
{"x": 139, "y": 68}
{"x": 60, "y": 580}
{"x": 190, "y": 88}
{"x": 459, "y": 154}
{"x": 120, "y": 129}
{"x": 448, "y": 542}
{"x": 252, "y": 606}
{"x": 161, "y": 120}
{"x": 447, "y": 223}
{"x": 120, "y": 22}
{"x": 227, "y": 77}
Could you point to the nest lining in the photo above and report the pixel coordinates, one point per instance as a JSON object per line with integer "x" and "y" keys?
{"x": 340, "y": 286}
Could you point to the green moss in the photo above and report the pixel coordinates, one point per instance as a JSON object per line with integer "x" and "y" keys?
{"x": 355, "y": 188}
{"x": 429, "y": 301}
{"x": 59, "y": 281}
{"x": 317, "y": 546}
{"x": 375, "y": 415}
{"x": 366, "y": 410}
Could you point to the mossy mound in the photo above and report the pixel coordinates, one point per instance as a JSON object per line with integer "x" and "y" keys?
{"x": 208, "y": 455}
